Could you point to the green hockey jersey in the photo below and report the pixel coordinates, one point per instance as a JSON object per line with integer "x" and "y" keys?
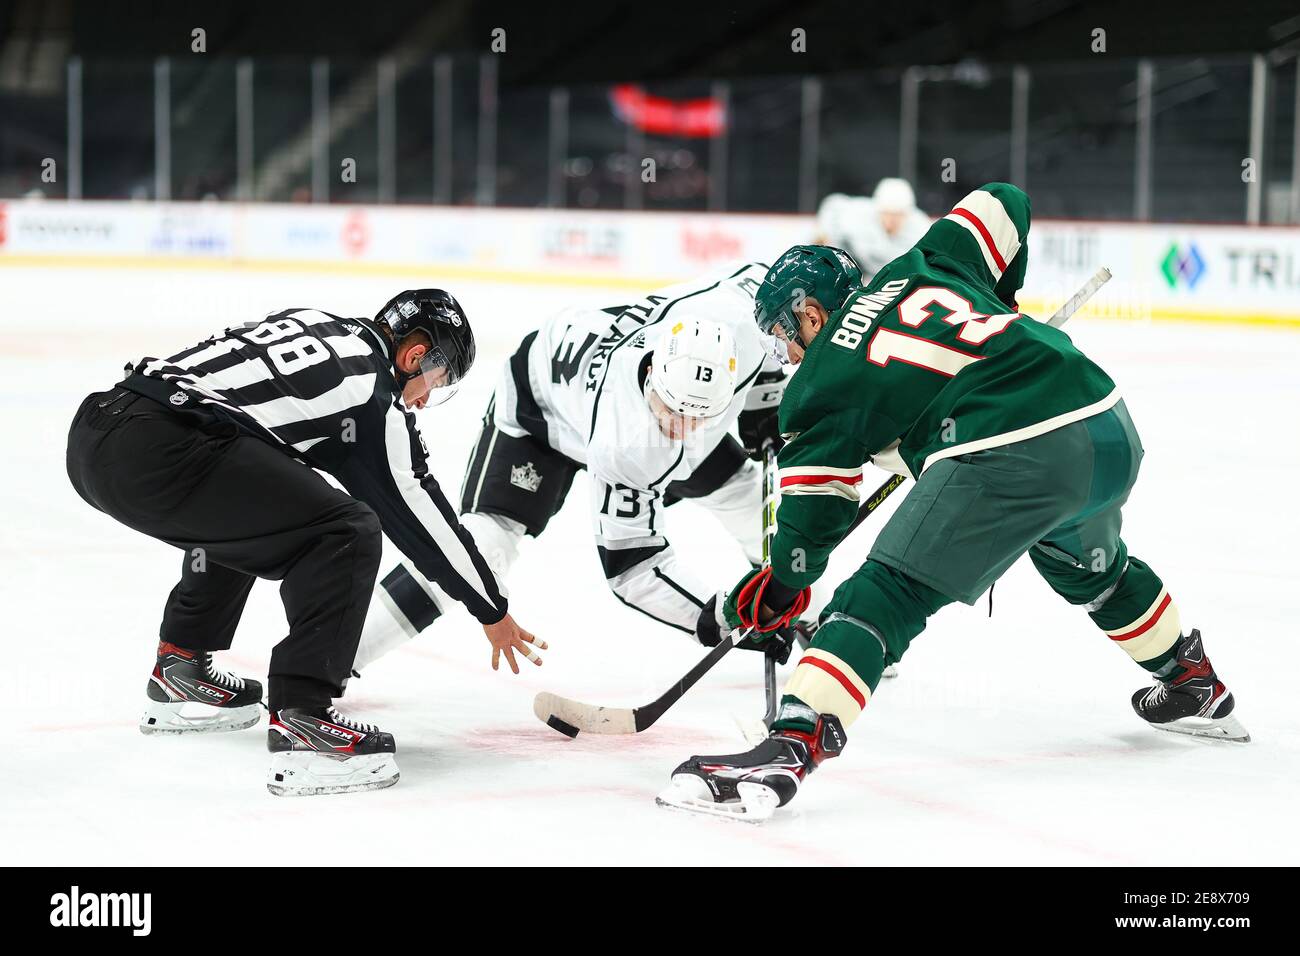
{"x": 929, "y": 361}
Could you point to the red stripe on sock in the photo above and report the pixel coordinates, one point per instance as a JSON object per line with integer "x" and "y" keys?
{"x": 839, "y": 676}
{"x": 1138, "y": 631}
{"x": 983, "y": 231}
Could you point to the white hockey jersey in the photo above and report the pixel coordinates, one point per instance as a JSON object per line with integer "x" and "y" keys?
{"x": 851, "y": 223}
{"x": 583, "y": 396}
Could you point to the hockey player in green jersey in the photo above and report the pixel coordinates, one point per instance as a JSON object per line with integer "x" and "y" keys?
{"x": 1018, "y": 443}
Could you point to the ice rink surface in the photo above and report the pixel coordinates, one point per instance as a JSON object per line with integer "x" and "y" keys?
{"x": 1006, "y": 740}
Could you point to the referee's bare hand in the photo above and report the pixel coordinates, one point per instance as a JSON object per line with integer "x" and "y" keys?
{"x": 506, "y": 635}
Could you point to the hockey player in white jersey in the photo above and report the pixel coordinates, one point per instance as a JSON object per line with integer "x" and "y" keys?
{"x": 643, "y": 396}
{"x": 877, "y": 229}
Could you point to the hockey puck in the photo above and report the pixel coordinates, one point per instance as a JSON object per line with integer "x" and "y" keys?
{"x": 563, "y": 726}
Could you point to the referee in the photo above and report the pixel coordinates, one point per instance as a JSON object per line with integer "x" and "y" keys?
{"x": 212, "y": 450}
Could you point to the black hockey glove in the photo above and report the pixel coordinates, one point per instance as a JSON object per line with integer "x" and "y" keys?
{"x": 711, "y": 628}
{"x": 759, "y": 424}
{"x": 758, "y": 427}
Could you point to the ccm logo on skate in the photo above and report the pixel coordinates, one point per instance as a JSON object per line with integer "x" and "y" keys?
{"x": 335, "y": 732}
{"x": 76, "y": 909}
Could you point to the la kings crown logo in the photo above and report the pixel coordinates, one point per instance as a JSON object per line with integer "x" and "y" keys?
{"x": 525, "y": 476}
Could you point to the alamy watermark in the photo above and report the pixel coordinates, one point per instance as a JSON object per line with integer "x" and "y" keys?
{"x": 74, "y": 908}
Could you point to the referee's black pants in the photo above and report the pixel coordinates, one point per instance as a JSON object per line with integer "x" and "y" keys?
{"x": 240, "y": 509}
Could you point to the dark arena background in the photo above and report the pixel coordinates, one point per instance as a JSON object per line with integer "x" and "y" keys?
{"x": 169, "y": 170}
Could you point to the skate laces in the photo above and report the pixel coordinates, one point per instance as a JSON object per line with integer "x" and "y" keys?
{"x": 349, "y": 723}
{"x": 220, "y": 677}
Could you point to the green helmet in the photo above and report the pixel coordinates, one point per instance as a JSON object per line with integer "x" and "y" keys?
{"x": 824, "y": 273}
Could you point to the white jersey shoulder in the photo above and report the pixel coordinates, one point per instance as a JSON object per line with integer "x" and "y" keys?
{"x": 586, "y": 369}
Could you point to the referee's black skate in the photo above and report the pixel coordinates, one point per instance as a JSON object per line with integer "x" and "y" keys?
{"x": 317, "y": 750}
{"x": 1193, "y": 700}
{"x": 750, "y": 786}
{"x": 188, "y": 695}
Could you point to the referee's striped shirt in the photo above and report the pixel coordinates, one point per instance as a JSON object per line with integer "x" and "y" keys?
{"x": 321, "y": 387}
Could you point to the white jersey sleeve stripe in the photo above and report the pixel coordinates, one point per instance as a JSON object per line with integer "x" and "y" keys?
{"x": 244, "y": 374}
{"x": 970, "y": 227}
{"x": 842, "y": 489}
{"x": 984, "y": 217}
{"x": 196, "y": 359}
{"x": 346, "y": 346}
{"x": 854, "y": 474}
{"x": 397, "y": 441}
{"x": 352, "y": 391}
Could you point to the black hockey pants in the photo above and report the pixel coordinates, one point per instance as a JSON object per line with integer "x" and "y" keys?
{"x": 239, "y": 509}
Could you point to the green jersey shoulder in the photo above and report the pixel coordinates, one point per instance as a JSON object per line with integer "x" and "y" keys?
{"x": 929, "y": 361}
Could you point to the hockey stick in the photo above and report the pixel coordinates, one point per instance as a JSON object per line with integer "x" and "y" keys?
{"x": 1076, "y": 301}
{"x": 571, "y": 716}
{"x": 769, "y": 530}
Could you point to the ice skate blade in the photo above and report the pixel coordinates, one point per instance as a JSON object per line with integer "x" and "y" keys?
{"x": 756, "y": 804}
{"x": 1220, "y": 728}
{"x": 301, "y": 773}
{"x": 194, "y": 717}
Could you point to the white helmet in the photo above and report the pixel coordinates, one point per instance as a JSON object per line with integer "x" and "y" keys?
{"x": 693, "y": 370}
{"x": 893, "y": 195}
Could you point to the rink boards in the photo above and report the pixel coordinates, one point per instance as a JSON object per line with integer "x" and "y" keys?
{"x": 1184, "y": 272}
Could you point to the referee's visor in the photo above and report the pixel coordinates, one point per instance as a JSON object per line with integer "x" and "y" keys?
{"x": 439, "y": 375}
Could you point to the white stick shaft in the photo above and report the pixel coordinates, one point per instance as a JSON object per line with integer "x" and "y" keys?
{"x": 1077, "y": 300}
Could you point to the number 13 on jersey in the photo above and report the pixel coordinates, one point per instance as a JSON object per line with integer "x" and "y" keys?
{"x": 889, "y": 345}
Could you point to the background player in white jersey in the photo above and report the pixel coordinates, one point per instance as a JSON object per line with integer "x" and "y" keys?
{"x": 208, "y": 450}
{"x": 877, "y": 229}
{"x": 642, "y": 395}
